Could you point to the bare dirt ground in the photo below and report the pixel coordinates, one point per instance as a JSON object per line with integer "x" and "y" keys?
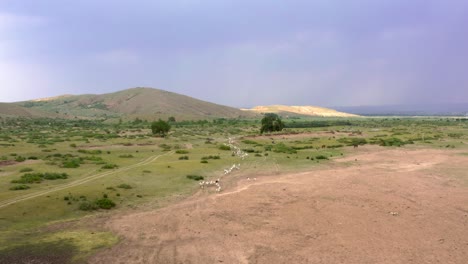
{"x": 377, "y": 206}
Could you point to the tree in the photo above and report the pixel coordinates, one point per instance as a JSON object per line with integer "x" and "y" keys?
{"x": 160, "y": 128}
{"x": 171, "y": 119}
{"x": 271, "y": 122}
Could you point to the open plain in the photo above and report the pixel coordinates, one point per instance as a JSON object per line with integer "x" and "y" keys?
{"x": 375, "y": 206}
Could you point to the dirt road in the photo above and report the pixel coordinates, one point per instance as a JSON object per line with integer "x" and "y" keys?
{"x": 378, "y": 206}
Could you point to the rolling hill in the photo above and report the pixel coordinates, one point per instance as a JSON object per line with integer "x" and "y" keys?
{"x": 143, "y": 103}
{"x": 299, "y": 110}
{"x": 13, "y": 110}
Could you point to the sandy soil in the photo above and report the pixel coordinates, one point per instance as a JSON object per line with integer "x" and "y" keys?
{"x": 378, "y": 206}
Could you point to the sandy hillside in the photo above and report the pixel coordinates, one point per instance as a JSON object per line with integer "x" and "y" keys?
{"x": 301, "y": 110}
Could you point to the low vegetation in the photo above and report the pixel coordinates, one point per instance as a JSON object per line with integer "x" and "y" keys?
{"x": 48, "y": 154}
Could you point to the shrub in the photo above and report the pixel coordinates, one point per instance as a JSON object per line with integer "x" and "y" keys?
{"x": 392, "y": 142}
{"x": 249, "y": 150}
{"x": 224, "y": 147}
{"x": 20, "y": 187}
{"x": 32, "y": 158}
{"x": 211, "y": 157}
{"x": 73, "y": 145}
{"x": 126, "y": 156}
{"x": 26, "y": 170}
{"x": 30, "y": 178}
{"x": 92, "y": 152}
{"x": 203, "y": 161}
{"x": 105, "y": 203}
{"x": 183, "y": 158}
{"x": 124, "y": 186}
{"x": 20, "y": 159}
{"x": 321, "y": 157}
{"x": 195, "y": 177}
{"x": 271, "y": 122}
{"x": 88, "y": 206}
{"x": 165, "y": 147}
{"x": 160, "y": 128}
{"x": 248, "y": 141}
{"x": 71, "y": 163}
{"x": 181, "y": 151}
{"x": 109, "y": 166}
{"x": 54, "y": 176}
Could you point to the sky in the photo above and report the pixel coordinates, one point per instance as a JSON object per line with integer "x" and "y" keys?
{"x": 239, "y": 53}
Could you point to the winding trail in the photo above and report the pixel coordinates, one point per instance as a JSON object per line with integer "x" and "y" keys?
{"x": 80, "y": 181}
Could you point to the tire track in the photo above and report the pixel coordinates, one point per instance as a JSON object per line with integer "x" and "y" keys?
{"x": 81, "y": 181}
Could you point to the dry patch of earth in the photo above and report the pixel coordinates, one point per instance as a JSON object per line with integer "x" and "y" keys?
{"x": 378, "y": 206}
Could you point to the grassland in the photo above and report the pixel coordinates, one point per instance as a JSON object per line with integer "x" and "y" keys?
{"x": 126, "y": 165}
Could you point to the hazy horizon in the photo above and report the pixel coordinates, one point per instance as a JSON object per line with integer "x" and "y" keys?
{"x": 239, "y": 53}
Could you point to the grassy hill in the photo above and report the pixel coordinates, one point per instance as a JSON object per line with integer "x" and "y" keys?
{"x": 14, "y": 110}
{"x": 299, "y": 110}
{"x": 143, "y": 103}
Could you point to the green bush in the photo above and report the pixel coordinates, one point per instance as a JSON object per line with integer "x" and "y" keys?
{"x": 203, "y": 161}
{"x": 54, "y": 176}
{"x": 92, "y": 152}
{"x": 183, "y": 158}
{"x": 126, "y": 156}
{"x": 71, "y": 163}
{"x": 109, "y": 166}
{"x": 224, "y": 147}
{"x": 321, "y": 157}
{"x": 165, "y": 147}
{"x": 124, "y": 186}
{"x": 105, "y": 203}
{"x": 88, "y": 206}
{"x": 249, "y": 150}
{"x": 182, "y": 151}
{"x": 248, "y": 141}
{"x": 20, "y": 187}
{"x": 30, "y": 178}
{"x": 195, "y": 177}
{"x": 211, "y": 157}
{"x": 20, "y": 159}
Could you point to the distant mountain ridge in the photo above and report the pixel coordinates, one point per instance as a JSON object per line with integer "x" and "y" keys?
{"x": 299, "y": 110}
{"x": 148, "y": 104}
{"x": 140, "y": 102}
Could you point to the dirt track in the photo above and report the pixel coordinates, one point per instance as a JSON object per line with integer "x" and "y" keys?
{"x": 389, "y": 206}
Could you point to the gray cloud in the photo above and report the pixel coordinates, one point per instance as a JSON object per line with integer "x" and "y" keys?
{"x": 239, "y": 53}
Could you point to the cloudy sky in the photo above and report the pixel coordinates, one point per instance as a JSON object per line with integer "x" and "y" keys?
{"x": 240, "y": 52}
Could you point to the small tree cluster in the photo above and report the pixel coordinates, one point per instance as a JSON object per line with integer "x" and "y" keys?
{"x": 160, "y": 128}
{"x": 271, "y": 122}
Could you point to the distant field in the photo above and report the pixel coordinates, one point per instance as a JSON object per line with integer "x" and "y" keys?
{"x": 53, "y": 173}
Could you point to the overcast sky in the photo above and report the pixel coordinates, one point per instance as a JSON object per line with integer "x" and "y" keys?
{"x": 239, "y": 53}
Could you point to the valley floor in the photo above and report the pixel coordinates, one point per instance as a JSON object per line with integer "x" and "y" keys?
{"x": 378, "y": 205}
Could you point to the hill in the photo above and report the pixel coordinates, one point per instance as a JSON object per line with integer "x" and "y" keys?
{"x": 13, "y": 110}
{"x": 143, "y": 103}
{"x": 299, "y": 110}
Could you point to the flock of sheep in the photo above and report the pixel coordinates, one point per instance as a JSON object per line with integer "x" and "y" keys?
{"x": 236, "y": 151}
